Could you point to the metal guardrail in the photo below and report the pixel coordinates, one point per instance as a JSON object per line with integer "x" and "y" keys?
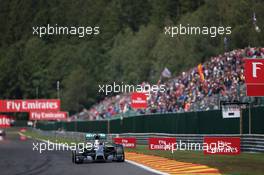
{"x": 249, "y": 142}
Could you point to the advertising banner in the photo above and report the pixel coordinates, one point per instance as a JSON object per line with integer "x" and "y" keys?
{"x": 129, "y": 142}
{"x": 4, "y": 121}
{"x": 37, "y": 115}
{"x": 254, "y": 71}
{"x": 254, "y": 76}
{"x": 255, "y": 90}
{"x": 231, "y": 111}
{"x": 221, "y": 145}
{"x": 138, "y": 100}
{"x": 162, "y": 143}
{"x": 29, "y": 105}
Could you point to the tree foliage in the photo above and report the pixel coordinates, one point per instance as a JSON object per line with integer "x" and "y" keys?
{"x": 131, "y": 46}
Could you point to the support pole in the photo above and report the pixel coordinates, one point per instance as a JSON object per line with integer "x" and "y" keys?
{"x": 249, "y": 118}
{"x": 241, "y": 121}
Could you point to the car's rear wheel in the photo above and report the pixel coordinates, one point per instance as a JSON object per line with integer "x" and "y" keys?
{"x": 120, "y": 153}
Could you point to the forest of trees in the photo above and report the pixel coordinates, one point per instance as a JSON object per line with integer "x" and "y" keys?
{"x": 130, "y": 48}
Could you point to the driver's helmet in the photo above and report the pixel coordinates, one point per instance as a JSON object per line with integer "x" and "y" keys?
{"x": 96, "y": 137}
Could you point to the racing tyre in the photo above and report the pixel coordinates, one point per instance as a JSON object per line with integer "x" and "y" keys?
{"x": 74, "y": 160}
{"x": 120, "y": 153}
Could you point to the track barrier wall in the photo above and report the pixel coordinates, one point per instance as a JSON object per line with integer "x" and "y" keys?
{"x": 205, "y": 122}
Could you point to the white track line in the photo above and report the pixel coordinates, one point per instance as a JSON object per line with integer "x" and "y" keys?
{"x": 146, "y": 168}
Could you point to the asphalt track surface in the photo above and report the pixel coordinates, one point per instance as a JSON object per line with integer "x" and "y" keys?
{"x": 18, "y": 158}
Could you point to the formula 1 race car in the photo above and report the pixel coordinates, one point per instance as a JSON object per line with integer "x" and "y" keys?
{"x": 99, "y": 151}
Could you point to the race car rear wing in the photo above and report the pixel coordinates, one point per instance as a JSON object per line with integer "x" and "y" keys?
{"x": 91, "y": 136}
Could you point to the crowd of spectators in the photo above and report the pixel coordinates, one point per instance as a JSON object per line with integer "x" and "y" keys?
{"x": 223, "y": 80}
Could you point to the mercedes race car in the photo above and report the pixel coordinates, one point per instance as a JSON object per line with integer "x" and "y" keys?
{"x": 99, "y": 151}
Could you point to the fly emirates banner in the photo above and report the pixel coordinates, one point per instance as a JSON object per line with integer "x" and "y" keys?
{"x": 29, "y": 105}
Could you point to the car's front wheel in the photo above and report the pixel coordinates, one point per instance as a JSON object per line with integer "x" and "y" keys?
{"x": 74, "y": 158}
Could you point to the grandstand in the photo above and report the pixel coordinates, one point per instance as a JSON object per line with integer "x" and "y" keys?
{"x": 222, "y": 80}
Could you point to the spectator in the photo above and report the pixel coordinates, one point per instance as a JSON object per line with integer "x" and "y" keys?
{"x": 223, "y": 80}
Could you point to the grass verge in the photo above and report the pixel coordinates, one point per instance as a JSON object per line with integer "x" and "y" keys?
{"x": 54, "y": 139}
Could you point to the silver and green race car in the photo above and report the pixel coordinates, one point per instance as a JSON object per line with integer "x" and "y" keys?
{"x": 99, "y": 150}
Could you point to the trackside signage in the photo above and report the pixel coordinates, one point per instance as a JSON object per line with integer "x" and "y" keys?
{"x": 166, "y": 143}
{"x": 4, "y": 121}
{"x": 221, "y": 145}
{"x": 129, "y": 142}
{"x": 138, "y": 100}
{"x": 254, "y": 76}
{"x": 33, "y": 115}
{"x": 29, "y": 105}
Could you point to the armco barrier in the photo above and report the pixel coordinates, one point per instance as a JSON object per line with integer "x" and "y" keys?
{"x": 249, "y": 143}
{"x": 206, "y": 122}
